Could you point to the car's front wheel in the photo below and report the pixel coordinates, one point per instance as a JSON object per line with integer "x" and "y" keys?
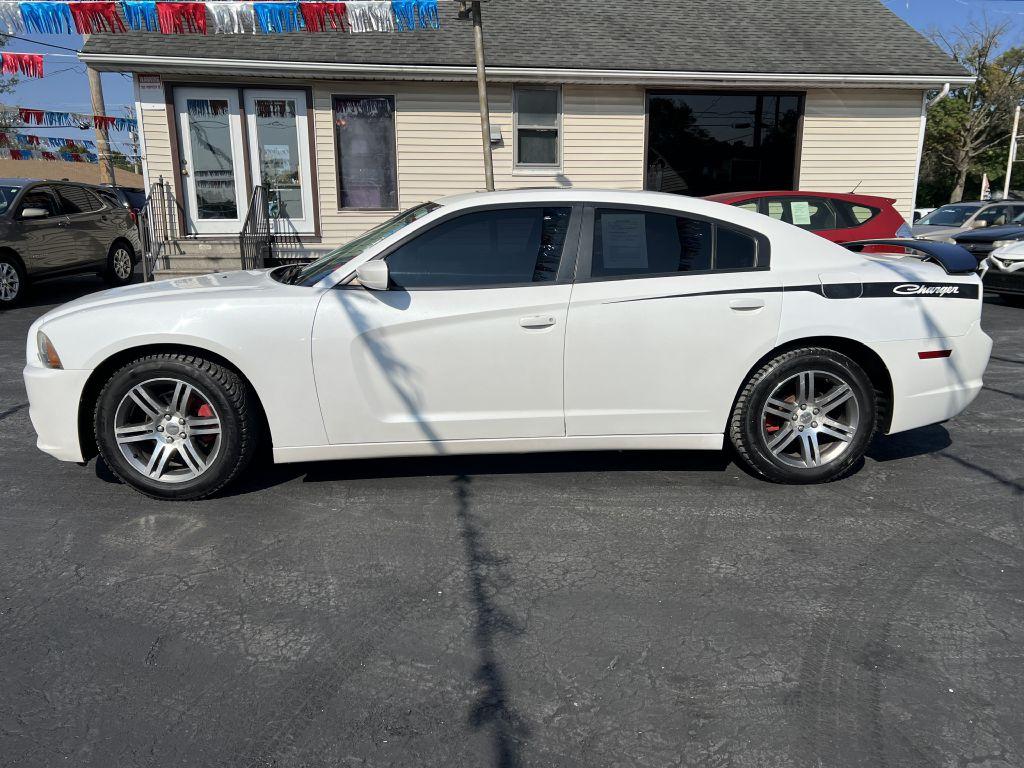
{"x": 176, "y": 426}
{"x": 806, "y": 416}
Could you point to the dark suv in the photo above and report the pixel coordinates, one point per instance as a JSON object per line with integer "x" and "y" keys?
{"x": 56, "y": 228}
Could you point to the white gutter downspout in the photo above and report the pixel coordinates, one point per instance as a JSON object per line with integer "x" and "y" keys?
{"x": 926, "y": 104}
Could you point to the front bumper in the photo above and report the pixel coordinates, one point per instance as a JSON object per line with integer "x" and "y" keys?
{"x": 54, "y": 398}
{"x": 931, "y": 391}
{"x": 1004, "y": 276}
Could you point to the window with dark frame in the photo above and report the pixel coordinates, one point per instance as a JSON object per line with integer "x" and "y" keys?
{"x": 364, "y": 138}
{"x": 538, "y": 113}
{"x": 484, "y": 249}
{"x": 707, "y": 142}
{"x": 637, "y": 243}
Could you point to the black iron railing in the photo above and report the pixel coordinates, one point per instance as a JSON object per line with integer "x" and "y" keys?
{"x": 256, "y": 240}
{"x": 158, "y": 227}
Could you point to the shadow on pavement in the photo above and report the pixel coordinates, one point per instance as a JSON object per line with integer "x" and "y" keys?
{"x": 492, "y": 709}
{"x": 916, "y": 442}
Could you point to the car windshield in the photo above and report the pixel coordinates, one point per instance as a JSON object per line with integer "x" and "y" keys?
{"x": 313, "y": 273}
{"x": 949, "y": 216}
{"x": 7, "y": 195}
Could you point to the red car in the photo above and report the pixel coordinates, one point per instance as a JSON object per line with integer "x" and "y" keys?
{"x": 838, "y": 217}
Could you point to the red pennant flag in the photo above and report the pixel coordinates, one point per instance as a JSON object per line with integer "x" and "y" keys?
{"x": 179, "y": 18}
{"x": 69, "y": 142}
{"x": 15, "y": 154}
{"x": 49, "y": 155}
{"x": 31, "y": 139}
{"x": 96, "y": 16}
{"x": 75, "y": 157}
{"x": 320, "y": 16}
{"x": 102, "y": 122}
{"x": 30, "y": 116}
{"x": 28, "y": 64}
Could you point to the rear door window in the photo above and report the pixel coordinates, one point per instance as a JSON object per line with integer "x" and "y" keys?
{"x": 811, "y": 213}
{"x": 78, "y": 199}
{"x": 638, "y": 243}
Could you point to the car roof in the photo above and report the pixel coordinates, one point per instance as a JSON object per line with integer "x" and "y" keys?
{"x": 17, "y": 182}
{"x": 973, "y": 203}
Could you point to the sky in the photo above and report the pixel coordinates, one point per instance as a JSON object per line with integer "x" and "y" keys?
{"x": 64, "y": 85}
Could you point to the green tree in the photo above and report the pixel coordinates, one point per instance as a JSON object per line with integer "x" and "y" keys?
{"x": 969, "y": 131}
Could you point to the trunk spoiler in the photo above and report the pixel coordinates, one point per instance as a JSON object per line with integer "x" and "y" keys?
{"x": 952, "y": 258}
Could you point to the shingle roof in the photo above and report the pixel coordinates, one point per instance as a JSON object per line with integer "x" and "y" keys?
{"x": 855, "y": 37}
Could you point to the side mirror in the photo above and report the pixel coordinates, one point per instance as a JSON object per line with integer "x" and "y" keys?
{"x": 373, "y": 275}
{"x": 34, "y": 213}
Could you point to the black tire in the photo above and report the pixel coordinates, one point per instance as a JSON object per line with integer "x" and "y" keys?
{"x": 750, "y": 429}
{"x": 13, "y": 281}
{"x": 115, "y": 273}
{"x": 226, "y": 392}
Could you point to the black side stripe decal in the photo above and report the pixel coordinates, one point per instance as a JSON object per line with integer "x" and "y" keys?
{"x": 843, "y": 291}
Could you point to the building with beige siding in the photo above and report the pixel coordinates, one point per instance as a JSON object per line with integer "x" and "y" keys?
{"x": 344, "y": 130}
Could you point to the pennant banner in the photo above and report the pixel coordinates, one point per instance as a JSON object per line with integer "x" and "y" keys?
{"x": 36, "y": 154}
{"x": 31, "y": 141}
{"x": 50, "y": 118}
{"x": 28, "y": 64}
{"x": 57, "y": 17}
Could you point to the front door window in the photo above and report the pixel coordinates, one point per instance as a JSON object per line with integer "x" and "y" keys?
{"x": 212, "y": 158}
{"x": 280, "y": 161}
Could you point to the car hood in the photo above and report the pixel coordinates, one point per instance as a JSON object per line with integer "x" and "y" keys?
{"x": 212, "y": 286}
{"x": 931, "y": 232}
{"x": 991, "y": 234}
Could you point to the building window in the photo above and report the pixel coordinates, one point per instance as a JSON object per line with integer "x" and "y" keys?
{"x": 703, "y": 143}
{"x": 364, "y": 134}
{"x": 538, "y": 115}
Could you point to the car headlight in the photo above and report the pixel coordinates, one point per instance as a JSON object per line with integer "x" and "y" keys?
{"x": 1004, "y": 243}
{"x": 47, "y": 353}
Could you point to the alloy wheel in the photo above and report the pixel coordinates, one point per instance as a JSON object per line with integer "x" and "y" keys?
{"x": 167, "y": 430}
{"x": 10, "y": 283}
{"x": 122, "y": 264}
{"x": 810, "y": 419}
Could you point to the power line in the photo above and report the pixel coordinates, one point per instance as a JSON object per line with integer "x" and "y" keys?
{"x": 40, "y": 42}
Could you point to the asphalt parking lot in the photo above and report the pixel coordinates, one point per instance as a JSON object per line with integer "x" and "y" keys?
{"x": 648, "y": 609}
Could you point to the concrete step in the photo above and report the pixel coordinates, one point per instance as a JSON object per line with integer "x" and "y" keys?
{"x": 203, "y": 247}
{"x": 176, "y": 272}
{"x": 204, "y": 263}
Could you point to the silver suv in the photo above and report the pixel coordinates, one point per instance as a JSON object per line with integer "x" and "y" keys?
{"x": 56, "y": 228}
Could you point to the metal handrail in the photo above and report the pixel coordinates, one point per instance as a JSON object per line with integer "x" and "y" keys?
{"x": 256, "y": 239}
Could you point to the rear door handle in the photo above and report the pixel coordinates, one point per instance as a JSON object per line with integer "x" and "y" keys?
{"x": 746, "y": 305}
{"x": 537, "y": 321}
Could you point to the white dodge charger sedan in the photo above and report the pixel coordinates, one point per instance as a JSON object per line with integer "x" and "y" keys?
{"x": 535, "y": 320}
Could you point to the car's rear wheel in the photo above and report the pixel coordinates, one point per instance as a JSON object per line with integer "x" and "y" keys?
{"x": 806, "y": 416}
{"x": 176, "y": 426}
{"x": 12, "y": 281}
{"x": 120, "y": 263}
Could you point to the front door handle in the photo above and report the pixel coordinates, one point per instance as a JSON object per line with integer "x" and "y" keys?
{"x": 746, "y": 305}
{"x": 537, "y": 321}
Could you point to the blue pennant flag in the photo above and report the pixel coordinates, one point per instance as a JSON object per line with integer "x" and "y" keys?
{"x": 141, "y": 14}
{"x": 47, "y": 18}
{"x": 405, "y": 14}
{"x": 278, "y": 17}
{"x": 427, "y": 12}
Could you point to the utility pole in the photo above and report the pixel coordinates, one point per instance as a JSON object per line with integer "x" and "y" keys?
{"x": 102, "y": 142}
{"x": 1013, "y": 152}
{"x": 473, "y": 12}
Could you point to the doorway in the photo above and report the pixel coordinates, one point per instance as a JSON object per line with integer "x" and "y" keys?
{"x": 225, "y": 132}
